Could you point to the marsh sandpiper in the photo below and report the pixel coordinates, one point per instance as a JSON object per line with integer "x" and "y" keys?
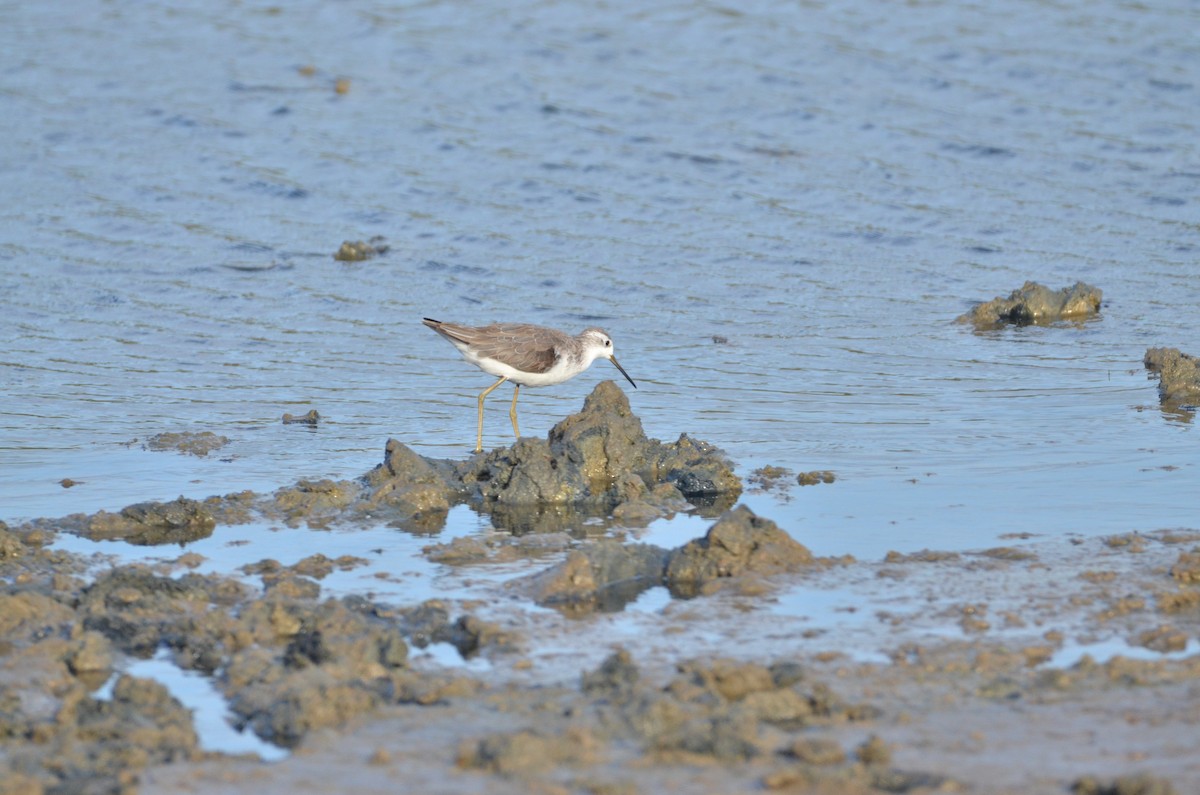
{"x": 527, "y": 355}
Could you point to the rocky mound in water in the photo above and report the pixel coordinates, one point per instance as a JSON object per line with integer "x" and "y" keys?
{"x": 598, "y": 462}
{"x": 599, "y": 458}
{"x": 1178, "y": 377}
{"x": 1036, "y": 304}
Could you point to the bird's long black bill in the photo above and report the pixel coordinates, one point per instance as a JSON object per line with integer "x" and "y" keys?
{"x": 622, "y": 369}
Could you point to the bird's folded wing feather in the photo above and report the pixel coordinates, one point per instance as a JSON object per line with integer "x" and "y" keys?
{"x": 525, "y": 348}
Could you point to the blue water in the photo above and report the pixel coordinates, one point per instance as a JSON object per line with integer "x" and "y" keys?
{"x": 824, "y": 187}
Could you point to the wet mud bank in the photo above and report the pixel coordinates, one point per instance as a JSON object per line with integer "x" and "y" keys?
{"x": 1054, "y": 667}
{"x": 763, "y": 667}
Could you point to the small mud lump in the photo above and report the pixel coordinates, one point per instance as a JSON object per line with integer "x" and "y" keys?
{"x": 1178, "y": 376}
{"x": 1036, "y": 304}
{"x": 740, "y": 542}
{"x": 148, "y": 523}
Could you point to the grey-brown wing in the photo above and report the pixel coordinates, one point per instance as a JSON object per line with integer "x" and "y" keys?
{"x": 530, "y": 349}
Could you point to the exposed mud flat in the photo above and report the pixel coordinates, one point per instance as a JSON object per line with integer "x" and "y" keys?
{"x": 1048, "y": 665}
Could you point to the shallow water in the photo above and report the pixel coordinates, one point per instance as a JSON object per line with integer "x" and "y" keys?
{"x": 210, "y": 714}
{"x": 823, "y": 188}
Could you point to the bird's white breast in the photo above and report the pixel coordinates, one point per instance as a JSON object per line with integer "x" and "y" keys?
{"x": 561, "y": 371}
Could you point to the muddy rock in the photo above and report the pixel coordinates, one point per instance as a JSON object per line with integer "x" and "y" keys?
{"x": 698, "y": 470}
{"x": 638, "y": 507}
{"x": 1178, "y": 376}
{"x": 528, "y": 474}
{"x": 1012, "y": 554}
{"x": 141, "y": 725}
{"x": 302, "y": 666}
{"x": 605, "y": 575}
{"x": 816, "y": 476}
{"x": 325, "y": 683}
{"x": 284, "y": 711}
{"x": 312, "y": 502}
{"x": 361, "y": 250}
{"x": 1162, "y": 639}
{"x": 817, "y": 751}
{"x": 319, "y": 566}
{"x": 311, "y": 418}
{"x": 873, "y": 751}
{"x": 614, "y": 680}
{"x": 473, "y": 635}
{"x": 430, "y": 622}
{"x": 603, "y": 441}
{"x": 1137, "y": 784}
{"x": 138, "y": 610}
{"x": 740, "y": 542}
{"x": 407, "y": 489}
{"x": 26, "y": 614}
{"x": 727, "y": 735}
{"x": 727, "y": 679}
{"x": 459, "y": 551}
{"x": 98, "y": 745}
{"x": 147, "y": 523}
{"x": 289, "y": 585}
{"x": 197, "y": 444}
{"x": 767, "y": 478}
{"x": 91, "y": 655}
{"x": 526, "y": 751}
{"x": 10, "y": 543}
{"x": 1187, "y": 568}
{"x": 922, "y": 556}
{"x": 598, "y": 458}
{"x": 720, "y": 708}
{"x": 1178, "y": 602}
{"x": 1036, "y": 304}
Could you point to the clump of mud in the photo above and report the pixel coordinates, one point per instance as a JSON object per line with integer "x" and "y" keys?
{"x": 739, "y": 543}
{"x": 144, "y": 523}
{"x": 197, "y": 444}
{"x": 816, "y": 476}
{"x": 361, "y": 250}
{"x": 1137, "y": 784}
{"x": 1036, "y": 304}
{"x": 1178, "y": 377}
{"x": 310, "y": 418}
{"x": 607, "y": 574}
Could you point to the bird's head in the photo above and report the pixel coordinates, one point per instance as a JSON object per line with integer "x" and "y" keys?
{"x": 597, "y": 344}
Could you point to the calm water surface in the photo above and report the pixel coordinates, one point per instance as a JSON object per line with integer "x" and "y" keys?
{"x": 822, "y": 187}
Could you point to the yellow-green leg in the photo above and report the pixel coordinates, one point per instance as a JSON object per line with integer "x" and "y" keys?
{"x": 512, "y": 412}
{"x": 482, "y": 395}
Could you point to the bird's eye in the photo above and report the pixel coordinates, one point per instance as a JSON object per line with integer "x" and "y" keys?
{"x": 608, "y": 343}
